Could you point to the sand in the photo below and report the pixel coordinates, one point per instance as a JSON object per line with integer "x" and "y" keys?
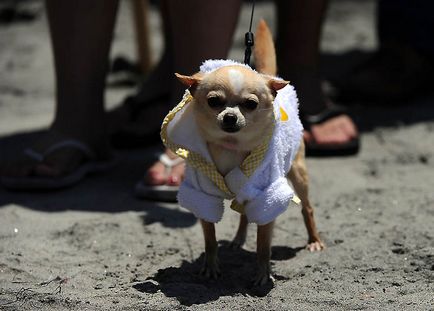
{"x": 96, "y": 247}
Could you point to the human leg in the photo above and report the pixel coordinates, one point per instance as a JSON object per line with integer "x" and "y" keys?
{"x": 401, "y": 68}
{"x": 81, "y": 32}
{"x": 136, "y": 123}
{"x": 197, "y": 33}
{"x": 299, "y": 32}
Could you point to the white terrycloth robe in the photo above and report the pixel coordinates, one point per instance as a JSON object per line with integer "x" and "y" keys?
{"x": 266, "y": 193}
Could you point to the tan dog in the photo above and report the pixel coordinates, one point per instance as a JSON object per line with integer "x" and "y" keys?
{"x": 233, "y": 110}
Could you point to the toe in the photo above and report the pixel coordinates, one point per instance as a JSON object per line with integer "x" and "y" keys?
{"x": 347, "y": 125}
{"x": 338, "y": 130}
{"x": 59, "y": 163}
{"x": 328, "y": 135}
{"x": 177, "y": 175}
{"x": 156, "y": 175}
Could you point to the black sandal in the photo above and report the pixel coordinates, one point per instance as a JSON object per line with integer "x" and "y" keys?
{"x": 314, "y": 149}
{"x": 131, "y": 138}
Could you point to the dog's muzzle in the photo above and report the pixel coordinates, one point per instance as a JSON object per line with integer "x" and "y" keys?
{"x": 230, "y": 123}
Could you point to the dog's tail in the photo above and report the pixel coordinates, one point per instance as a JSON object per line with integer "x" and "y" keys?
{"x": 264, "y": 51}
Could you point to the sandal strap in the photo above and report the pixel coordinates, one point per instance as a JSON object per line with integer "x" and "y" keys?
{"x": 329, "y": 112}
{"x": 69, "y": 143}
{"x": 168, "y": 162}
{"x": 135, "y": 104}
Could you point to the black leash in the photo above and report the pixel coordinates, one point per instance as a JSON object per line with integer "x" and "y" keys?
{"x": 249, "y": 39}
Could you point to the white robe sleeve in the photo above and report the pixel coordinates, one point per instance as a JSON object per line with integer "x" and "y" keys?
{"x": 204, "y": 205}
{"x": 270, "y": 203}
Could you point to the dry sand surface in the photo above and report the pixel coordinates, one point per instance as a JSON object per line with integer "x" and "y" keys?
{"x": 96, "y": 247}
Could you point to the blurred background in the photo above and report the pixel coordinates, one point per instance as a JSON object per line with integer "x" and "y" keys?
{"x": 25, "y": 52}
{"x": 349, "y": 38}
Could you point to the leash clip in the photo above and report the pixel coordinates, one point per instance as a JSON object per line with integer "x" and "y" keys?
{"x": 249, "y": 41}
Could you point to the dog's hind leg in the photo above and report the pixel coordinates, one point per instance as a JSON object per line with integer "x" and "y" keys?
{"x": 210, "y": 268}
{"x": 240, "y": 236}
{"x": 299, "y": 178}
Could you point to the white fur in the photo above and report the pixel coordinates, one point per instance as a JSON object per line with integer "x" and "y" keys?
{"x": 213, "y": 64}
{"x": 236, "y": 79}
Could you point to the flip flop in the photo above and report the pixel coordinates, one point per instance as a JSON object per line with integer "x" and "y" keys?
{"x": 90, "y": 166}
{"x": 313, "y": 149}
{"x": 160, "y": 192}
{"x": 131, "y": 139}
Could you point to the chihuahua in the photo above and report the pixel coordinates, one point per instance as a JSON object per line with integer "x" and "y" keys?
{"x": 233, "y": 114}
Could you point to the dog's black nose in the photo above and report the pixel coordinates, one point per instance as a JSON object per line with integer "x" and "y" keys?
{"x": 230, "y": 119}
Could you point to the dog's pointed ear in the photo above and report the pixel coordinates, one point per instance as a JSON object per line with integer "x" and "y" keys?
{"x": 277, "y": 84}
{"x": 189, "y": 81}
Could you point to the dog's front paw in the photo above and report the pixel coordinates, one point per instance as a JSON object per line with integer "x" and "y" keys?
{"x": 263, "y": 276}
{"x": 315, "y": 246}
{"x": 237, "y": 242}
{"x": 262, "y": 279}
{"x": 210, "y": 270}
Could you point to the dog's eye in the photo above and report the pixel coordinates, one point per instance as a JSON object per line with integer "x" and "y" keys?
{"x": 216, "y": 102}
{"x": 250, "y": 104}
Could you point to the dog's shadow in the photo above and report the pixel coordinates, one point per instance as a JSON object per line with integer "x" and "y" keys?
{"x": 238, "y": 268}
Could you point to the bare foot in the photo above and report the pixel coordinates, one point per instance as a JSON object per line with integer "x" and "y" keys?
{"x": 335, "y": 131}
{"x": 57, "y": 163}
{"x": 157, "y": 175}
